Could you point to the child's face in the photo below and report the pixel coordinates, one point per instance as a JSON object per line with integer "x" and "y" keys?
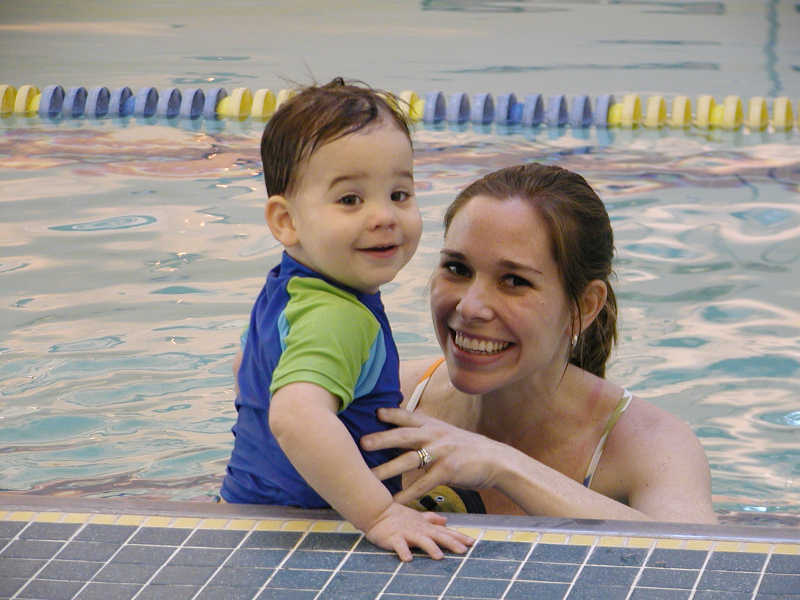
{"x": 354, "y": 209}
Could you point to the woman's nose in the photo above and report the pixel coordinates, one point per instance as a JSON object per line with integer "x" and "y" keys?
{"x": 475, "y": 303}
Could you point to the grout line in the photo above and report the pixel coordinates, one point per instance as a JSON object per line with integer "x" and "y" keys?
{"x": 702, "y": 570}
{"x": 650, "y": 551}
{"x": 581, "y": 566}
{"x": 224, "y": 562}
{"x": 163, "y": 564}
{"x": 519, "y": 568}
{"x": 391, "y": 579}
{"x": 283, "y": 561}
{"x": 110, "y": 558}
{"x": 338, "y": 568}
{"x": 461, "y": 564}
{"x": 763, "y": 571}
{"x": 49, "y": 560}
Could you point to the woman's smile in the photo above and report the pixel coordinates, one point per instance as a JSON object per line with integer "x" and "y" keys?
{"x": 468, "y": 343}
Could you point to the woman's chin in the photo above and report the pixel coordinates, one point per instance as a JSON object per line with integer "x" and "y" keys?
{"x": 476, "y": 372}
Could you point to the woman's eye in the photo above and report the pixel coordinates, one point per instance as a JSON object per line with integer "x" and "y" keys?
{"x": 516, "y": 281}
{"x": 456, "y": 268}
{"x": 400, "y": 196}
{"x": 349, "y": 200}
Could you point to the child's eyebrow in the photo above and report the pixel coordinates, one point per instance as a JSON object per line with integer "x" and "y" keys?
{"x": 356, "y": 175}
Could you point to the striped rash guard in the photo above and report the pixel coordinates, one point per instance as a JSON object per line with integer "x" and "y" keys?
{"x": 306, "y": 328}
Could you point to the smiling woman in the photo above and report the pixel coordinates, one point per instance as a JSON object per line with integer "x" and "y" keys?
{"x": 526, "y": 317}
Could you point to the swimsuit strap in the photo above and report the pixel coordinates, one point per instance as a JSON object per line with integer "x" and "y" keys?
{"x": 621, "y": 407}
{"x": 422, "y": 384}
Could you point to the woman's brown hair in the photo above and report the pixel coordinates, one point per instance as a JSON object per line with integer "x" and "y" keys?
{"x": 582, "y": 241}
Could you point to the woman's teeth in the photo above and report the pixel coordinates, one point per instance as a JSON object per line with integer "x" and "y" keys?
{"x": 475, "y": 345}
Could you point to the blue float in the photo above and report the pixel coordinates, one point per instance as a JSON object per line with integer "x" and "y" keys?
{"x": 604, "y": 103}
{"x": 51, "y": 101}
{"x": 435, "y": 108}
{"x": 213, "y": 98}
{"x": 504, "y": 112}
{"x": 458, "y": 108}
{"x": 556, "y": 113}
{"x": 482, "y": 112}
{"x": 75, "y": 102}
{"x": 169, "y": 103}
{"x": 97, "y": 102}
{"x": 532, "y": 110}
{"x": 118, "y": 105}
{"x": 144, "y": 103}
{"x": 580, "y": 113}
{"x": 192, "y": 102}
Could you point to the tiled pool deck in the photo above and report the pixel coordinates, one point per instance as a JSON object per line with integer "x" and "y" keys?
{"x": 121, "y": 549}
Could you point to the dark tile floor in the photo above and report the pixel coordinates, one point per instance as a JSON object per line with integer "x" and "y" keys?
{"x": 204, "y": 552}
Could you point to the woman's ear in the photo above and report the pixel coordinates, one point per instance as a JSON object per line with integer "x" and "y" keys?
{"x": 592, "y": 302}
{"x": 279, "y": 219}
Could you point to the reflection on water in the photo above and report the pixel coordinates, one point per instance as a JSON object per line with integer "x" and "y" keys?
{"x": 131, "y": 256}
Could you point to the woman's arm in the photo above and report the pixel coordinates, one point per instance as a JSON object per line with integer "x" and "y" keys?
{"x": 303, "y": 418}
{"x": 470, "y": 460}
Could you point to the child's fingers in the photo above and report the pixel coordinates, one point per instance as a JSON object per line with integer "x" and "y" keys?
{"x": 454, "y": 541}
{"x": 402, "y": 550}
{"x": 429, "y": 546}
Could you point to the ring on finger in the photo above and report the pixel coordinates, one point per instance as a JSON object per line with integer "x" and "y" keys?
{"x": 425, "y": 457}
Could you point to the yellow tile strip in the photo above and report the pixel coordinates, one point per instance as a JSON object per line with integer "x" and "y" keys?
{"x": 524, "y": 536}
{"x": 496, "y": 535}
{"x": 610, "y": 540}
{"x": 75, "y": 518}
{"x": 49, "y": 517}
{"x": 159, "y": 522}
{"x": 333, "y": 526}
{"x": 269, "y": 525}
{"x": 579, "y": 539}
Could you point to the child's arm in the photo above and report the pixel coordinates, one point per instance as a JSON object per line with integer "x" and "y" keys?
{"x": 302, "y": 416}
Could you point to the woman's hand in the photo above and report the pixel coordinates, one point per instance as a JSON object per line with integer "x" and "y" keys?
{"x": 458, "y": 457}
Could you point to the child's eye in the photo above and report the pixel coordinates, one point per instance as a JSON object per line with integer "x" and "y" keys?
{"x": 456, "y": 268}
{"x": 399, "y": 196}
{"x": 515, "y": 281}
{"x": 349, "y": 200}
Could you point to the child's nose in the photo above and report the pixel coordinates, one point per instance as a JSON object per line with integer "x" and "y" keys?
{"x": 383, "y": 214}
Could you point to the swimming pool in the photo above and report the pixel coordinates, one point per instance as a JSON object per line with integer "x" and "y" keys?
{"x": 132, "y": 249}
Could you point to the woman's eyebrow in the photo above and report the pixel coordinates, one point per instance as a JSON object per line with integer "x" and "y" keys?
{"x": 515, "y": 266}
{"x": 504, "y": 263}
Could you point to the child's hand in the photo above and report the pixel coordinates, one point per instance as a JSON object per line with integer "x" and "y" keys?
{"x": 399, "y": 528}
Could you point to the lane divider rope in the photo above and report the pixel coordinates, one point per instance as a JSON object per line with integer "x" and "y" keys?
{"x": 532, "y": 110}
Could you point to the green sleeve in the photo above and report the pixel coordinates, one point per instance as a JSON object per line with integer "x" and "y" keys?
{"x": 326, "y": 337}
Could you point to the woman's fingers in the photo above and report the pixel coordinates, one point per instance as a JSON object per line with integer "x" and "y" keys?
{"x": 420, "y": 487}
{"x": 400, "y": 417}
{"x": 407, "y": 461}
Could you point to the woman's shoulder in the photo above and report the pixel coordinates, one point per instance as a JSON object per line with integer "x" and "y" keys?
{"x": 654, "y": 435}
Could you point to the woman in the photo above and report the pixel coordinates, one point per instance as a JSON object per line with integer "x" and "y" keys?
{"x": 526, "y": 318}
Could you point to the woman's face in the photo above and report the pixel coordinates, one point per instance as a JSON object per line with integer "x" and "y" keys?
{"x": 498, "y": 304}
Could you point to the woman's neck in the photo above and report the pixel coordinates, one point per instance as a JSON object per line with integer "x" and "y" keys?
{"x": 550, "y": 405}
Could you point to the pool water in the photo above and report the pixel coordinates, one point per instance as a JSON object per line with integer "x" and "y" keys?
{"x": 131, "y": 250}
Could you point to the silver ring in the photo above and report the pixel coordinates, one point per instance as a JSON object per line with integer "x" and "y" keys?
{"x": 425, "y": 457}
